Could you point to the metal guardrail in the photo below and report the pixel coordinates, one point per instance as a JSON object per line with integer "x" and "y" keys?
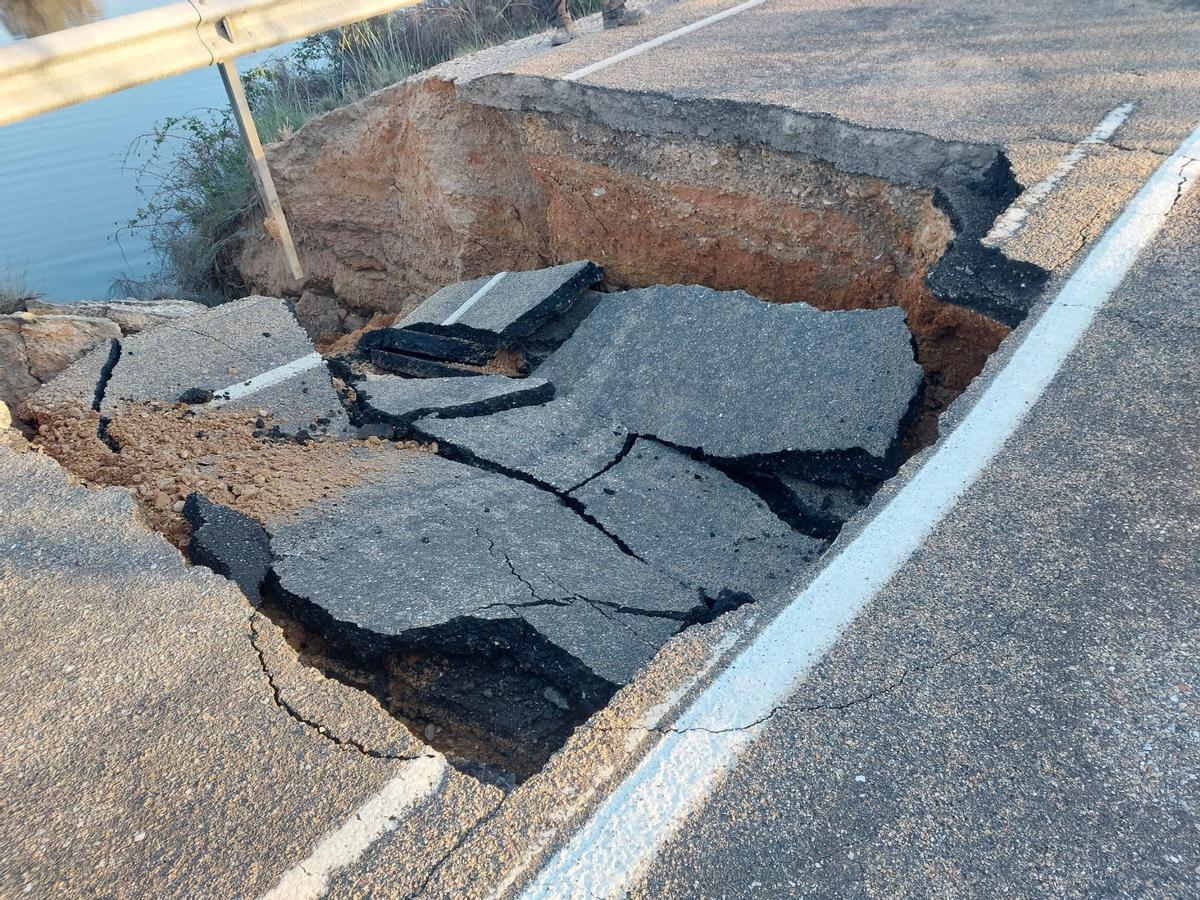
{"x": 41, "y": 74}
{"x": 44, "y": 73}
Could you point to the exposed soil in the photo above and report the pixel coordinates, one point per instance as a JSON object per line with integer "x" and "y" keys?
{"x": 415, "y": 188}
{"x": 493, "y": 717}
{"x": 347, "y": 342}
{"x": 400, "y": 194}
{"x": 170, "y": 450}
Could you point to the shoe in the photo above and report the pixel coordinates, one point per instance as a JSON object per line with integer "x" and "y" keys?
{"x": 623, "y": 16}
{"x": 564, "y": 32}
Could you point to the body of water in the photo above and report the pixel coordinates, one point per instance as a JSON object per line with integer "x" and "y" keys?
{"x": 63, "y": 191}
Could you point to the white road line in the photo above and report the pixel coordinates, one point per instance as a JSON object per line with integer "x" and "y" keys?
{"x": 660, "y": 40}
{"x": 615, "y": 847}
{"x": 1009, "y": 223}
{"x": 375, "y": 818}
{"x": 474, "y": 298}
{"x": 638, "y": 735}
{"x": 266, "y": 379}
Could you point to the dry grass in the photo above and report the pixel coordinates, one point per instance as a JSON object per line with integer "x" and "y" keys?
{"x": 14, "y": 289}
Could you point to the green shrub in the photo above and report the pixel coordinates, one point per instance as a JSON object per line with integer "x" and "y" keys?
{"x": 192, "y": 174}
{"x": 195, "y": 187}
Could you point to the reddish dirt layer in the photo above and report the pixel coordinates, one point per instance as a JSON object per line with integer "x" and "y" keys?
{"x": 414, "y": 188}
{"x": 347, "y": 342}
{"x": 170, "y": 450}
{"x": 398, "y": 195}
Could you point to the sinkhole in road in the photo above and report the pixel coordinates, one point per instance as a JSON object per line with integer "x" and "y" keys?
{"x": 444, "y": 178}
{"x": 564, "y": 583}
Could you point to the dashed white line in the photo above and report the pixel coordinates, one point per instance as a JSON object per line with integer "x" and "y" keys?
{"x": 474, "y": 298}
{"x": 375, "y": 818}
{"x": 1009, "y": 223}
{"x": 266, "y": 379}
{"x": 660, "y": 40}
{"x": 615, "y": 847}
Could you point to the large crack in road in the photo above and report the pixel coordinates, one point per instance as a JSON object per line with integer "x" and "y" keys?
{"x": 491, "y": 515}
{"x": 495, "y": 593}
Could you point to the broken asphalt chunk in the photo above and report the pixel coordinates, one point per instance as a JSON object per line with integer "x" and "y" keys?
{"x": 417, "y": 366}
{"x": 418, "y": 343}
{"x": 742, "y": 379}
{"x": 230, "y": 543}
{"x": 559, "y": 444}
{"x": 400, "y": 401}
{"x": 489, "y": 563}
{"x": 251, "y": 353}
{"x": 196, "y": 395}
{"x": 501, "y": 310}
{"x": 692, "y": 520}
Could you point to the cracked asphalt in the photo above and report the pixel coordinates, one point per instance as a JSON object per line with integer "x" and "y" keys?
{"x": 1015, "y": 714}
{"x": 149, "y": 724}
{"x": 1018, "y": 713}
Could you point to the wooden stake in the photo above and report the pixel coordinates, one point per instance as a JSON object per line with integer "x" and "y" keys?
{"x": 276, "y": 223}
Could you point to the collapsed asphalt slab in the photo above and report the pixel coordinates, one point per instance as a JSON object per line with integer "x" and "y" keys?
{"x": 248, "y": 354}
{"x": 734, "y": 377}
{"x": 401, "y": 401}
{"x": 496, "y": 311}
{"x": 823, "y": 394}
{"x": 559, "y": 444}
{"x": 486, "y": 562}
{"x": 468, "y": 325}
{"x": 697, "y": 523}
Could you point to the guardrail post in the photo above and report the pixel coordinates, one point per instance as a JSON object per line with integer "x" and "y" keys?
{"x": 276, "y": 223}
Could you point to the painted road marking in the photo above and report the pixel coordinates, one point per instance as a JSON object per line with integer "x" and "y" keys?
{"x": 474, "y": 298}
{"x": 615, "y": 847}
{"x": 638, "y": 735}
{"x": 265, "y": 380}
{"x": 1009, "y": 223}
{"x": 660, "y": 40}
{"x": 375, "y": 818}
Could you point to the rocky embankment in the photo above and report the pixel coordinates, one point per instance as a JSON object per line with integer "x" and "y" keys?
{"x": 42, "y": 338}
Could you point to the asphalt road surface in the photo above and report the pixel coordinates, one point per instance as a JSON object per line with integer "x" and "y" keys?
{"x": 1012, "y": 710}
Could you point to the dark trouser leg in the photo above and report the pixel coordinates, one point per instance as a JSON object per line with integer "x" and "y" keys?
{"x": 557, "y": 13}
